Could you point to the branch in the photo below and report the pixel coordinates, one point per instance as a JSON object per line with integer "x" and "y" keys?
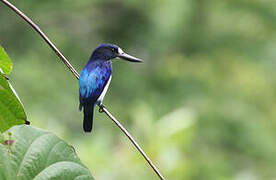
{"x": 46, "y": 39}
{"x": 76, "y": 74}
{"x": 103, "y": 109}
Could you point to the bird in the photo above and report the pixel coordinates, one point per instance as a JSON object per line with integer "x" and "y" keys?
{"x": 95, "y": 78}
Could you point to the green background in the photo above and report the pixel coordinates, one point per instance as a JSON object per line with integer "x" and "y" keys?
{"x": 202, "y": 105}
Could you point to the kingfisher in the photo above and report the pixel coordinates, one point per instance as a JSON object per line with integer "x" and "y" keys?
{"x": 95, "y": 79}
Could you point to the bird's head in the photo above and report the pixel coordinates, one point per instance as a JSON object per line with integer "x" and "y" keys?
{"x": 110, "y": 51}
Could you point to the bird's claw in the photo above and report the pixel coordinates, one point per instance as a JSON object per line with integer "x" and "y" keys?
{"x": 101, "y": 109}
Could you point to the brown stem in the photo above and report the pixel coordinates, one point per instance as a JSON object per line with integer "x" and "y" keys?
{"x": 103, "y": 109}
{"x": 76, "y": 74}
{"x": 46, "y": 39}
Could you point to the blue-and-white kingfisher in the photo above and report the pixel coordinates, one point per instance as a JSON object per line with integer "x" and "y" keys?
{"x": 95, "y": 79}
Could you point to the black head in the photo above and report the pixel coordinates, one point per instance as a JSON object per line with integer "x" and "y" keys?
{"x": 111, "y": 51}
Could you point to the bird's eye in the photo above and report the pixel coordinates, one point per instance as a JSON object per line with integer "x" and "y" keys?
{"x": 113, "y": 49}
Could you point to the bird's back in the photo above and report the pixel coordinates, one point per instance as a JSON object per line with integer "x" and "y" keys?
{"x": 93, "y": 79}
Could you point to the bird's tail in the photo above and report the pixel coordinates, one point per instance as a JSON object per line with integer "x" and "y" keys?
{"x": 88, "y": 117}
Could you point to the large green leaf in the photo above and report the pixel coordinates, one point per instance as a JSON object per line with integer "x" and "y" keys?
{"x": 11, "y": 110}
{"x": 39, "y": 155}
{"x": 5, "y": 62}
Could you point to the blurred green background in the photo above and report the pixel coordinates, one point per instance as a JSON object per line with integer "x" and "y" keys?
{"x": 202, "y": 105}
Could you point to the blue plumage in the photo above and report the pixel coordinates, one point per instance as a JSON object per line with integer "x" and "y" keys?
{"x": 95, "y": 78}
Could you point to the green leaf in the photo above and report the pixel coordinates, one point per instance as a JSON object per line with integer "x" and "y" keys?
{"x": 5, "y": 62}
{"x": 39, "y": 155}
{"x": 11, "y": 110}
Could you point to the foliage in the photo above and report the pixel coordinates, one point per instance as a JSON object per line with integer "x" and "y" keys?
{"x": 31, "y": 153}
{"x": 5, "y": 62}
{"x": 11, "y": 110}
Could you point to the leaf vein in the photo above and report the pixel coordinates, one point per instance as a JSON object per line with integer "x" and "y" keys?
{"x": 28, "y": 150}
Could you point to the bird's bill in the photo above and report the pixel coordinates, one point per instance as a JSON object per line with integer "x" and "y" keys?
{"x": 128, "y": 57}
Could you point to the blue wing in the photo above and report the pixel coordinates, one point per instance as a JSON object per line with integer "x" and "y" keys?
{"x": 93, "y": 79}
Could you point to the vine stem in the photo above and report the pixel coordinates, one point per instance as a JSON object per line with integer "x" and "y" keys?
{"x": 46, "y": 39}
{"x": 76, "y": 74}
{"x": 103, "y": 109}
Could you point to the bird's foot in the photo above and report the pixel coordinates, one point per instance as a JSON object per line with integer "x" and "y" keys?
{"x": 101, "y": 108}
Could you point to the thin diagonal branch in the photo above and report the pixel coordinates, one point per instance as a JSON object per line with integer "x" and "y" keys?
{"x": 103, "y": 109}
{"x": 76, "y": 74}
{"x": 46, "y": 39}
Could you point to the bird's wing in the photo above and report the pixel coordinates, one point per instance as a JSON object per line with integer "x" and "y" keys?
{"x": 92, "y": 83}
